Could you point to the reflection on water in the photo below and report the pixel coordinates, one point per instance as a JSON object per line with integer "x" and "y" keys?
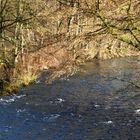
{"x": 102, "y": 102}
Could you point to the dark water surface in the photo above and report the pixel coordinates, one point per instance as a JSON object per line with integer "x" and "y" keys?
{"x": 100, "y": 103}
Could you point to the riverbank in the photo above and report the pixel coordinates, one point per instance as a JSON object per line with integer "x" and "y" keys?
{"x": 59, "y": 62}
{"x": 58, "y": 65}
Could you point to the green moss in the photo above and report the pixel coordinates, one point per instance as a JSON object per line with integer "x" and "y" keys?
{"x": 126, "y": 39}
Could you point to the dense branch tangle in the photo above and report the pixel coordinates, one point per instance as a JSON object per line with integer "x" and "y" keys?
{"x": 121, "y": 19}
{"x": 127, "y": 32}
{"x": 15, "y": 17}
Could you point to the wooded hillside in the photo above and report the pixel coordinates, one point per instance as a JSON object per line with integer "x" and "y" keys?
{"x": 61, "y": 33}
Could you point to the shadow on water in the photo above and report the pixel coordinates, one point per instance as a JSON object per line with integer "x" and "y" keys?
{"x": 102, "y": 102}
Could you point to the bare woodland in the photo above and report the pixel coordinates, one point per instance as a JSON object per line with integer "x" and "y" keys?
{"x": 60, "y": 34}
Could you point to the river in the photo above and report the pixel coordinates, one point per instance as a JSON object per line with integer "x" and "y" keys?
{"x": 101, "y": 102}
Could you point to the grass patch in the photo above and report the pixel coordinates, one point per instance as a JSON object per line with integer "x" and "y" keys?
{"x": 22, "y": 81}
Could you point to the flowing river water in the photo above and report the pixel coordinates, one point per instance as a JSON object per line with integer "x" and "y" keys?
{"x": 102, "y": 102}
